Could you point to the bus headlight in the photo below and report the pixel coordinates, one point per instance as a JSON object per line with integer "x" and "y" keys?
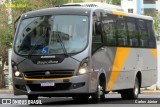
{"x": 17, "y": 73}
{"x": 82, "y": 71}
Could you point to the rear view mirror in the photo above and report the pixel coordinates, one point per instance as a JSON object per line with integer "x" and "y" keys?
{"x": 98, "y": 28}
{"x": 97, "y": 34}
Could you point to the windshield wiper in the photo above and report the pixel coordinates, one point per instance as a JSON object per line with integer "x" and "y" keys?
{"x": 36, "y": 44}
{"x": 63, "y": 47}
{"x": 62, "y": 44}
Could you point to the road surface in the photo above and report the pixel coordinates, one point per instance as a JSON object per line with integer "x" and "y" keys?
{"x": 112, "y": 100}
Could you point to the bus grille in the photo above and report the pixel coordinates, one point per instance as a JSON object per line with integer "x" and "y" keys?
{"x": 48, "y": 74}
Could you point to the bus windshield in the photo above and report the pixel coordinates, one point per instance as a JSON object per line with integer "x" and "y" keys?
{"x": 46, "y": 34}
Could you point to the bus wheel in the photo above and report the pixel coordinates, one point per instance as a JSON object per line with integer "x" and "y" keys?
{"x": 132, "y": 93}
{"x": 32, "y": 97}
{"x": 100, "y": 94}
{"x": 80, "y": 97}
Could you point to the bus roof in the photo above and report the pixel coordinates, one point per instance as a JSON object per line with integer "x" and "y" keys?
{"x": 59, "y": 10}
{"x": 114, "y": 9}
{"x": 96, "y": 4}
{"x": 132, "y": 15}
{"x": 79, "y": 10}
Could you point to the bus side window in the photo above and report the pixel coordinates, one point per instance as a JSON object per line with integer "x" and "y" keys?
{"x": 121, "y": 32}
{"x": 96, "y": 33}
{"x": 109, "y": 30}
{"x": 143, "y": 33}
{"x": 151, "y": 38}
{"x": 132, "y": 31}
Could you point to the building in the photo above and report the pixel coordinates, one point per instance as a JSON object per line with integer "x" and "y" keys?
{"x": 149, "y": 7}
{"x": 132, "y": 6}
{"x": 158, "y": 5}
{"x": 140, "y": 6}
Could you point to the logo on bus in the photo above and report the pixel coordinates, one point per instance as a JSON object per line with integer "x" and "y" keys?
{"x": 47, "y": 73}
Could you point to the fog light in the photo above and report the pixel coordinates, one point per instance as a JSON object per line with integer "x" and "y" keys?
{"x": 82, "y": 71}
{"x": 17, "y": 73}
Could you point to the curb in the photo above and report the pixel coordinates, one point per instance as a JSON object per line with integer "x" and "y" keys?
{"x": 6, "y": 91}
{"x": 143, "y": 92}
{"x": 150, "y": 92}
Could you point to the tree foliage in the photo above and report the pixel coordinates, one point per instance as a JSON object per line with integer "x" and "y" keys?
{"x": 77, "y": 1}
{"x": 5, "y": 40}
{"x": 116, "y": 2}
{"x": 157, "y": 25}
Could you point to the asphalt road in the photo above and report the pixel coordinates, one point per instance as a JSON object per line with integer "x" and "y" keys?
{"x": 112, "y": 100}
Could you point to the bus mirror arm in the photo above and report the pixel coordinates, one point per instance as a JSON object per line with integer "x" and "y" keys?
{"x": 15, "y": 24}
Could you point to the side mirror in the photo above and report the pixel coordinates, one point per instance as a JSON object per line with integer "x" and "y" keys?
{"x": 98, "y": 28}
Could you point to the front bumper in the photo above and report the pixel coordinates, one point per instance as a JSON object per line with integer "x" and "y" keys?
{"x": 63, "y": 87}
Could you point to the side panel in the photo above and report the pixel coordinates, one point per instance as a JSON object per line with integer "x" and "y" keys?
{"x": 102, "y": 61}
{"x": 142, "y": 60}
{"x": 122, "y": 64}
{"x": 119, "y": 71}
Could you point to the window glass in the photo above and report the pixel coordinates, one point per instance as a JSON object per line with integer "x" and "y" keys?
{"x": 132, "y": 31}
{"x": 47, "y": 35}
{"x": 121, "y": 32}
{"x": 109, "y": 30}
{"x": 130, "y": 10}
{"x": 143, "y": 33}
{"x": 151, "y": 38}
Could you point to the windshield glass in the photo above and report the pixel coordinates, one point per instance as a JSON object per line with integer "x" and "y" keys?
{"x": 45, "y": 35}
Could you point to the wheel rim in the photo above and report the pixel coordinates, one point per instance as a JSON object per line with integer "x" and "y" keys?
{"x": 136, "y": 90}
{"x": 100, "y": 90}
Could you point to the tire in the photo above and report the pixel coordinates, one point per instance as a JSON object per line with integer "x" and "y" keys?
{"x": 100, "y": 94}
{"x": 81, "y": 97}
{"x": 132, "y": 93}
{"x": 32, "y": 97}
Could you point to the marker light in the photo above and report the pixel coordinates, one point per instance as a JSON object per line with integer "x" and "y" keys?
{"x": 17, "y": 73}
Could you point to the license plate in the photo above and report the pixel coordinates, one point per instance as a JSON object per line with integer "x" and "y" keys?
{"x": 47, "y": 84}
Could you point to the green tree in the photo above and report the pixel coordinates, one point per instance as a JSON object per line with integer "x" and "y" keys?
{"x": 56, "y": 2}
{"x": 5, "y": 41}
{"x": 116, "y": 2}
{"x": 157, "y": 25}
{"x": 77, "y": 1}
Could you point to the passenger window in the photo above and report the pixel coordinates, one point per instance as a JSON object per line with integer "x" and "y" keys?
{"x": 151, "y": 36}
{"x": 143, "y": 34}
{"x": 132, "y": 31}
{"x": 121, "y": 32}
{"x": 109, "y": 30}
